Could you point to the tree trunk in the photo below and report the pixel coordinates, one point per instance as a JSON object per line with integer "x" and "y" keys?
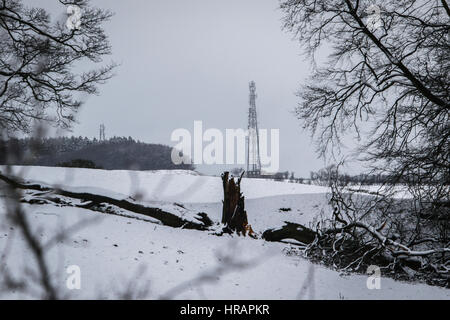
{"x": 290, "y": 231}
{"x": 234, "y": 216}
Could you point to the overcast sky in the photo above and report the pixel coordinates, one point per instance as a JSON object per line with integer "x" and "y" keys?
{"x": 183, "y": 61}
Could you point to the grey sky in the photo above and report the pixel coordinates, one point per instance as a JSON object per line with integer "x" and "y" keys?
{"x": 192, "y": 60}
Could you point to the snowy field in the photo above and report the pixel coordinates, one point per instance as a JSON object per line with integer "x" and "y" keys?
{"x": 150, "y": 261}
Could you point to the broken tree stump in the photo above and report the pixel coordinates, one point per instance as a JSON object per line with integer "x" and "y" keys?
{"x": 234, "y": 216}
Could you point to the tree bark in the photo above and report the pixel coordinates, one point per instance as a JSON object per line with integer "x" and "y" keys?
{"x": 234, "y": 216}
{"x": 290, "y": 231}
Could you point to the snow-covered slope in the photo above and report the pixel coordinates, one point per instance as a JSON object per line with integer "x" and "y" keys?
{"x": 169, "y": 186}
{"x": 117, "y": 253}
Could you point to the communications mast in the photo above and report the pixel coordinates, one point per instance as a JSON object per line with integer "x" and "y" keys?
{"x": 253, "y": 157}
{"x": 102, "y": 133}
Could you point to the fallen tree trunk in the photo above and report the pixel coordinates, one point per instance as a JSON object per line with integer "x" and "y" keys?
{"x": 322, "y": 243}
{"x": 290, "y": 231}
{"x": 166, "y": 218}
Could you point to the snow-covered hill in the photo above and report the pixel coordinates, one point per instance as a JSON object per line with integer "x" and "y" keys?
{"x": 115, "y": 253}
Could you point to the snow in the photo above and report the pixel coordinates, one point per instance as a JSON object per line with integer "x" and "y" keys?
{"x": 119, "y": 252}
{"x": 178, "y": 186}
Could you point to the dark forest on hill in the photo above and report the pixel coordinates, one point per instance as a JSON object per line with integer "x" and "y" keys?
{"x": 117, "y": 153}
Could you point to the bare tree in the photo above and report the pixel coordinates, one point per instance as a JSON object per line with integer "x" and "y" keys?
{"x": 385, "y": 82}
{"x": 37, "y": 62}
{"x": 386, "y": 79}
{"x": 39, "y": 82}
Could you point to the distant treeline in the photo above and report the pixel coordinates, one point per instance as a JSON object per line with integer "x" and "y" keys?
{"x": 112, "y": 154}
{"x": 325, "y": 176}
{"x": 330, "y": 173}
